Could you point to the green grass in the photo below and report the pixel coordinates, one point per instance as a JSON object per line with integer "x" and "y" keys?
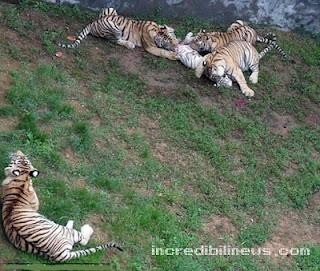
{"x": 156, "y": 163}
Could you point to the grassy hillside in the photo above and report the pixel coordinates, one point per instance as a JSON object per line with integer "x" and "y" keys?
{"x": 150, "y": 155}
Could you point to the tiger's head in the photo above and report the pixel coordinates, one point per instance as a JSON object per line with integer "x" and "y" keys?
{"x": 200, "y": 42}
{"x": 19, "y": 166}
{"x": 165, "y": 38}
{"x": 212, "y": 67}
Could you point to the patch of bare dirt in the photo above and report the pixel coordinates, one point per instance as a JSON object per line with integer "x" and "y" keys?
{"x": 176, "y": 209}
{"x": 290, "y": 169}
{"x": 149, "y": 123}
{"x": 99, "y": 234}
{"x": 144, "y": 191}
{"x": 314, "y": 203}
{"x": 291, "y": 232}
{"x": 160, "y": 81}
{"x": 8, "y": 124}
{"x": 280, "y": 124}
{"x": 81, "y": 183}
{"x": 95, "y": 121}
{"x": 207, "y": 101}
{"x": 77, "y": 106}
{"x": 313, "y": 119}
{"x": 70, "y": 156}
{"x": 295, "y": 228}
{"x": 219, "y": 226}
{"x": 130, "y": 60}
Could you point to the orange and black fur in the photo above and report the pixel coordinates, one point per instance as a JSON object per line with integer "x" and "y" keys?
{"x": 30, "y": 231}
{"x": 129, "y": 33}
{"x": 238, "y": 31}
{"x": 231, "y": 60}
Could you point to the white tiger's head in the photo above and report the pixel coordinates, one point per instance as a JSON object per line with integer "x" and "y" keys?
{"x": 20, "y": 165}
{"x": 165, "y": 38}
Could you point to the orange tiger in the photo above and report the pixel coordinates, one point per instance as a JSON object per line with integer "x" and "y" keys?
{"x": 129, "y": 33}
{"x": 239, "y": 30}
{"x": 231, "y": 60}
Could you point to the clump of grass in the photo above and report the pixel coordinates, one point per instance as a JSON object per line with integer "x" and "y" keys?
{"x": 65, "y": 10}
{"x": 28, "y": 124}
{"x": 49, "y": 40}
{"x": 82, "y": 138}
{"x": 40, "y": 92}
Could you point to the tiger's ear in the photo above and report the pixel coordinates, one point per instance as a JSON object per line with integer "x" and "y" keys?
{"x": 34, "y": 173}
{"x": 204, "y": 63}
{"x": 169, "y": 28}
{"x": 16, "y": 172}
{"x": 203, "y": 30}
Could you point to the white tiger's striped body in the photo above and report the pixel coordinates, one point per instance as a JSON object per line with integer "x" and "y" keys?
{"x": 30, "y": 231}
{"x": 188, "y": 57}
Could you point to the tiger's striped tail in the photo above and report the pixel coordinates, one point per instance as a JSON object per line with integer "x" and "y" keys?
{"x": 281, "y": 52}
{"x": 269, "y": 38}
{"x": 266, "y": 50}
{"x": 86, "y": 252}
{"x": 84, "y": 33}
{"x": 272, "y": 40}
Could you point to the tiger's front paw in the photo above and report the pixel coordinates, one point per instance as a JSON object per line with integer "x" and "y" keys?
{"x": 248, "y": 92}
{"x": 253, "y": 78}
{"x": 173, "y": 56}
{"x": 86, "y": 232}
{"x": 130, "y": 45}
{"x": 188, "y": 38}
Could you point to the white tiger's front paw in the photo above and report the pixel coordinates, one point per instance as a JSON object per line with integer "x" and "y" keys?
{"x": 253, "y": 78}
{"x": 86, "y": 231}
{"x": 70, "y": 224}
{"x": 248, "y": 92}
{"x": 188, "y": 38}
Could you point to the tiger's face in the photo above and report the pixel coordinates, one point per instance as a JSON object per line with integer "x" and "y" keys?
{"x": 200, "y": 42}
{"x": 20, "y": 166}
{"x": 165, "y": 38}
{"x": 215, "y": 69}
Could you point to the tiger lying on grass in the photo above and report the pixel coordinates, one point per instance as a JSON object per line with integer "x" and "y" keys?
{"x": 239, "y": 30}
{"x": 232, "y": 60}
{"x": 129, "y": 33}
{"x": 30, "y": 231}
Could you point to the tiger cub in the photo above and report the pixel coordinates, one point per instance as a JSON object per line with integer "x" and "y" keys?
{"x": 210, "y": 41}
{"x": 30, "y": 231}
{"x": 232, "y": 60}
{"x": 129, "y": 33}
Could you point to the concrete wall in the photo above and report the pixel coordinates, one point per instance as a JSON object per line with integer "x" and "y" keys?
{"x": 288, "y": 14}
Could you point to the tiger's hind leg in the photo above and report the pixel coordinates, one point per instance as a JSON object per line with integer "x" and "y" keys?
{"x": 86, "y": 232}
{"x": 255, "y": 73}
